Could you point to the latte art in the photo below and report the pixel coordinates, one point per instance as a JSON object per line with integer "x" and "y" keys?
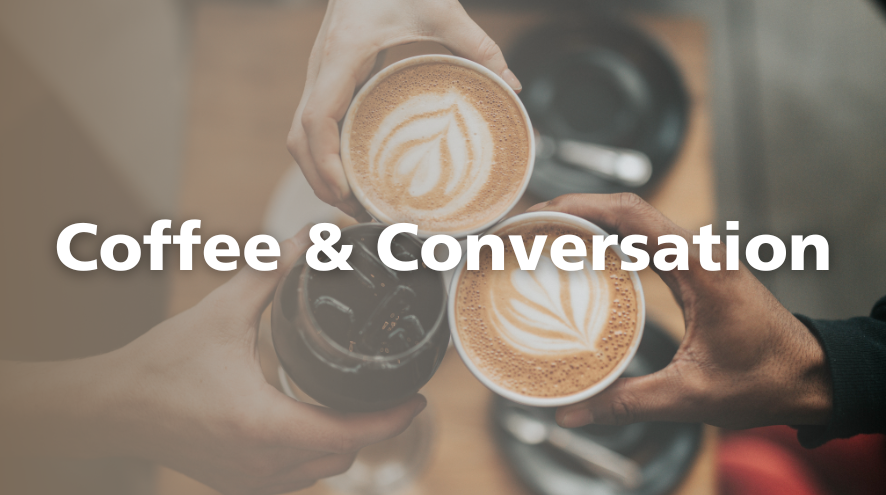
{"x": 546, "y": 332}
{"x": 432, "y": 145}
{"x": 549, "y": 310}
{"x": 438, "y": 144}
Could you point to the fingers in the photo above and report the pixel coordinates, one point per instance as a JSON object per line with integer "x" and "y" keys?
{"x": 321, "y": 129}
{"x": 325, "y": 467}
{"x": 622, "y": 214}
{"x": 328, "y": 179}
{"x": 297, "y": 143}
{"x": 316, "y": 442}
{"x": 314, "y": 139}
{"x": 463, "y": 37}
{"x": 250, "y": 290}
{"x": 662, "y": 396}
{"x": 341, "y": 433}
{"x": 627, "y": 214}
{"x": 308, "y": 473}
{"x": 336, "y": 70}
{"x": 325, "y": 175}
{"x": 329, "y": 100}
{"x": 359, "y": 430}
{"x": 655, "y": 397}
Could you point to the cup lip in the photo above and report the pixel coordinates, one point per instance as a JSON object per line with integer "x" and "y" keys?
{"x": 348, "y": 123}
{"x": 564, "y": 400}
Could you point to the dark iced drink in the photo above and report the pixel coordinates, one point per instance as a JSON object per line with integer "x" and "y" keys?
{"x": 362, "y": 339}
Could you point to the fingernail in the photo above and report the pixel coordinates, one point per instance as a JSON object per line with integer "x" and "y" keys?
{"x": 301, "y": 238}
{"x": 342, "y": 190}
{"x": 421, "y": 407}
{"x": 512, "y": 80}
{"x": 574, "y": 419}
{"x": 538, "y": 206}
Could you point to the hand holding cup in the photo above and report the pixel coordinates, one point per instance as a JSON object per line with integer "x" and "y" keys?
{"x": 346, "y": 52}
{"x": 745, "y": 360}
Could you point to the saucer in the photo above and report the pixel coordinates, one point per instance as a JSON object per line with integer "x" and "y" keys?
{"x": 665, "y": 451}
{"x": 601, "y": 81}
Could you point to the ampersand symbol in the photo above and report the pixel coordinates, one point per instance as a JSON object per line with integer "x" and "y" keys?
{"x": 337, "y": 259}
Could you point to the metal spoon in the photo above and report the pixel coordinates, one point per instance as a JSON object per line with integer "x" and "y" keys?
{"x": 628, "y": 167}
{"x": 594, "y": 457}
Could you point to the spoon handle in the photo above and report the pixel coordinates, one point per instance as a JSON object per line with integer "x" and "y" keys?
{"x": 596, "y": 458}
{"x": 629, "y": 167}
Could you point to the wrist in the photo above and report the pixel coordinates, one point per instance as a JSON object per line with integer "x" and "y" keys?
{"x": 812, "y": 379}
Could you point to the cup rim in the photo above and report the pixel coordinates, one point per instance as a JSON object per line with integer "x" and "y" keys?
{"x": 558, "y": 401}
{"x": 348, "y": 123}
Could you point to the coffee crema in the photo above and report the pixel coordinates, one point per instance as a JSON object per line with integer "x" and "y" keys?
{"x": 547, "y": 332}
{"x": 438, "y": 145}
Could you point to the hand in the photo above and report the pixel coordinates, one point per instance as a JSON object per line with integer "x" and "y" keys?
{"x": 190, "y": 394}
{"x": 346, "y": 52}
{"x": 745, "y": 361}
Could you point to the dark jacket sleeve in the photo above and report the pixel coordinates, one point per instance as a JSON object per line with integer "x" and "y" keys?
{"x": 856, "y": 355}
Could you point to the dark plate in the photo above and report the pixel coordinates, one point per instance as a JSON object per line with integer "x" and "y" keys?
{"x": 601, "y": 81}
{"x": 665, "y": 451}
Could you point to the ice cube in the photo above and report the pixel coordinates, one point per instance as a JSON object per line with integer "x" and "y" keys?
{"x": 334, "y": 316}
{"x": 372, "y": 338}
{"x": 407, "y": 332}
{"x": 400, "y": 252}
{"x": 370, "y": 270}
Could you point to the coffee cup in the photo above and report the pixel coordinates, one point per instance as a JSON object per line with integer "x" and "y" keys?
{"x": 546, "y": 337}
{"x": 438, "y": 141}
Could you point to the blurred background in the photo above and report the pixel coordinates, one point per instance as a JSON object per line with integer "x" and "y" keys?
{"x": 98, "y": 102}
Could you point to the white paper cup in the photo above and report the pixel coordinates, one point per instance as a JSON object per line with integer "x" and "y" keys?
{"x": 544, "y": 218}
{"x": 373, "y": 209}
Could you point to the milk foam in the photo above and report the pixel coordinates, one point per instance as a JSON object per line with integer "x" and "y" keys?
{"x": 435, "y": 145}
{"x": 439, "y": 145}
{"x": 548, "y": 310}
{"x": 547, "y": 332}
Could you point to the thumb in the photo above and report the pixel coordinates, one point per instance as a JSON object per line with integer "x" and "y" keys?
{"x": 627, "y": 214}
{"x": 623, "y": 214}
{"x": 463, "y": 37}
{"x": 655, "y": 397}
{"x": 249, "y": 291}
{"x": 336, "y": 432}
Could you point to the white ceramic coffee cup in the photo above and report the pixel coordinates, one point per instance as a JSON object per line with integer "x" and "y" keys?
{"x": 357, "y": 188}
{"x": 546, "y": 218}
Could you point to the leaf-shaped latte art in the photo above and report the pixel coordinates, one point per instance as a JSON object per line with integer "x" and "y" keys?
{"x": 434, "y": 151}
{"x": 549, "y": 310}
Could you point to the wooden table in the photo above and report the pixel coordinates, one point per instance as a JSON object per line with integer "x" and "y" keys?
{"x": 249, "y": 66}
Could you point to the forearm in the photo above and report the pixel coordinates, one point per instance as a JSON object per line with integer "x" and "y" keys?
{"x": 63, "y": 408}
{"x": 856, "y": 353}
